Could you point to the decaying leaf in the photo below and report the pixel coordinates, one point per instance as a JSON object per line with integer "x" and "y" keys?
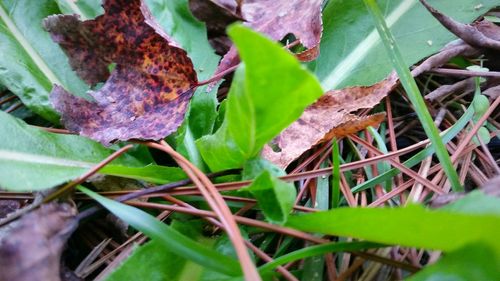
{"x": 31, "y": 248}
{"x": 147, "y": 93}
{"x": 329, "y": 117}
{"x": 276, "y": 19}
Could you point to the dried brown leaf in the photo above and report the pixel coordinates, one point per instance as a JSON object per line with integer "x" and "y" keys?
{"x": 329, "y": 117}
{"x": 145, "y": 96}
{"x": 31, "y": 248}
{"x": 276, "y": 18}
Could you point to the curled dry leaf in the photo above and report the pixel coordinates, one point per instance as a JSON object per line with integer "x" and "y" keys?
{"x": 30, "y": 249}
{"x": 329, "y": 117}
{"x": 276, "y": 18}
{"x": 147, "y": 93}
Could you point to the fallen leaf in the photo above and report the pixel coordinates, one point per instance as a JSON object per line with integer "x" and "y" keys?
{"x": 275, "y": 19}
{"x": 31, "y": 248}
{"x": 329, "y": 117}
{"x": 145, "y": 96}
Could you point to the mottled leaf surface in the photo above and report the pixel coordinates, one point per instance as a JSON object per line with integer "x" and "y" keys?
{"x": 277, "y": 19}
{"x": 327, "y": 118}
{"x": 147, "y": 93}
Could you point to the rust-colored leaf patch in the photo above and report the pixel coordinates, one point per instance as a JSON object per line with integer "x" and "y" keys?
{"x": 327, "y": 118}
{"x": 147, "y": 93}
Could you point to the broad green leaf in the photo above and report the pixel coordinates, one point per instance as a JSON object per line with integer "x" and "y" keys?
{"x": 270, "y": 90}
{"x": 32, "y": 159}
{"x": 86, "y": 9}
{"x": 274, "y": 196}
{"x": 411, "y": 226}
{"x": 176, "y": 242}
{"x": 150, "y": 173}
{"x": 30, "y": 62}
{"x": 352, "y": 52}
{"x": 473, "y": 262}
{"x": 155, "y": 262}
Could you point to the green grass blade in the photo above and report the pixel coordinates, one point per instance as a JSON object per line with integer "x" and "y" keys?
{"x": 170, "y": 238}
{"x": 417, "y": 158}
{"x": 414, "y": 94}
{"x": 315, "y": 251}
{"x": 335, "y": 174}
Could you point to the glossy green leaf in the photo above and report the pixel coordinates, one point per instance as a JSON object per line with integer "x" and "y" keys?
{"x": 473, "y": 262}
{"x": 270, "y": 90}
{"x": 411, "y": 226}
{"x": 475, "y": 202}
{"x": 30, "y": 62}
{"x": 33, "y": 159}
{"x": 155, "y": 262}
{"x": 274, "y": 196}
{"x": 352, "y": 52}
{"x": 176, "y": 242}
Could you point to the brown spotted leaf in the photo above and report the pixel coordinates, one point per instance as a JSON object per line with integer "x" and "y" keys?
{"x": 327, "y": 118}
{"x": 276, "y": 18}
{"x": 145, "y": 96}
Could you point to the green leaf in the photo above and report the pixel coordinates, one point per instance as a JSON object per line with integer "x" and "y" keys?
{"x": 30, "y": 62}
{"x": 475, "y": 202}
{"x": 143, "y": 262}
{"x": 316, "y": 250}
{"x": 254, "y": 167}
{"x": 473, "y": 262}
{"x": 270, "y": 90}
{"x": 411, "y": 226}
{"x": 32, "y": 159}
{"x": 86, "y": 9}
{"x": 352, "y": 52}
{"x": 274, "y": 196}
{"x": 150, "y": 173}
{"x": 176, "y": 242}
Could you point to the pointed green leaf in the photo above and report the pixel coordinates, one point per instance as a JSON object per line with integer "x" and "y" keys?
{"x": 269, "y": 91}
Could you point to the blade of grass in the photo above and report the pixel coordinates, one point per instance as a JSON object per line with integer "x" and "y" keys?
{"x": 417, "y": 158}
{"x": 414, "y": 94}
{"x": 335, "y": 174}
{"x": 173, "y": 240}
{"x": 383, "y": 166}
{"x": 317, "y": 250}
